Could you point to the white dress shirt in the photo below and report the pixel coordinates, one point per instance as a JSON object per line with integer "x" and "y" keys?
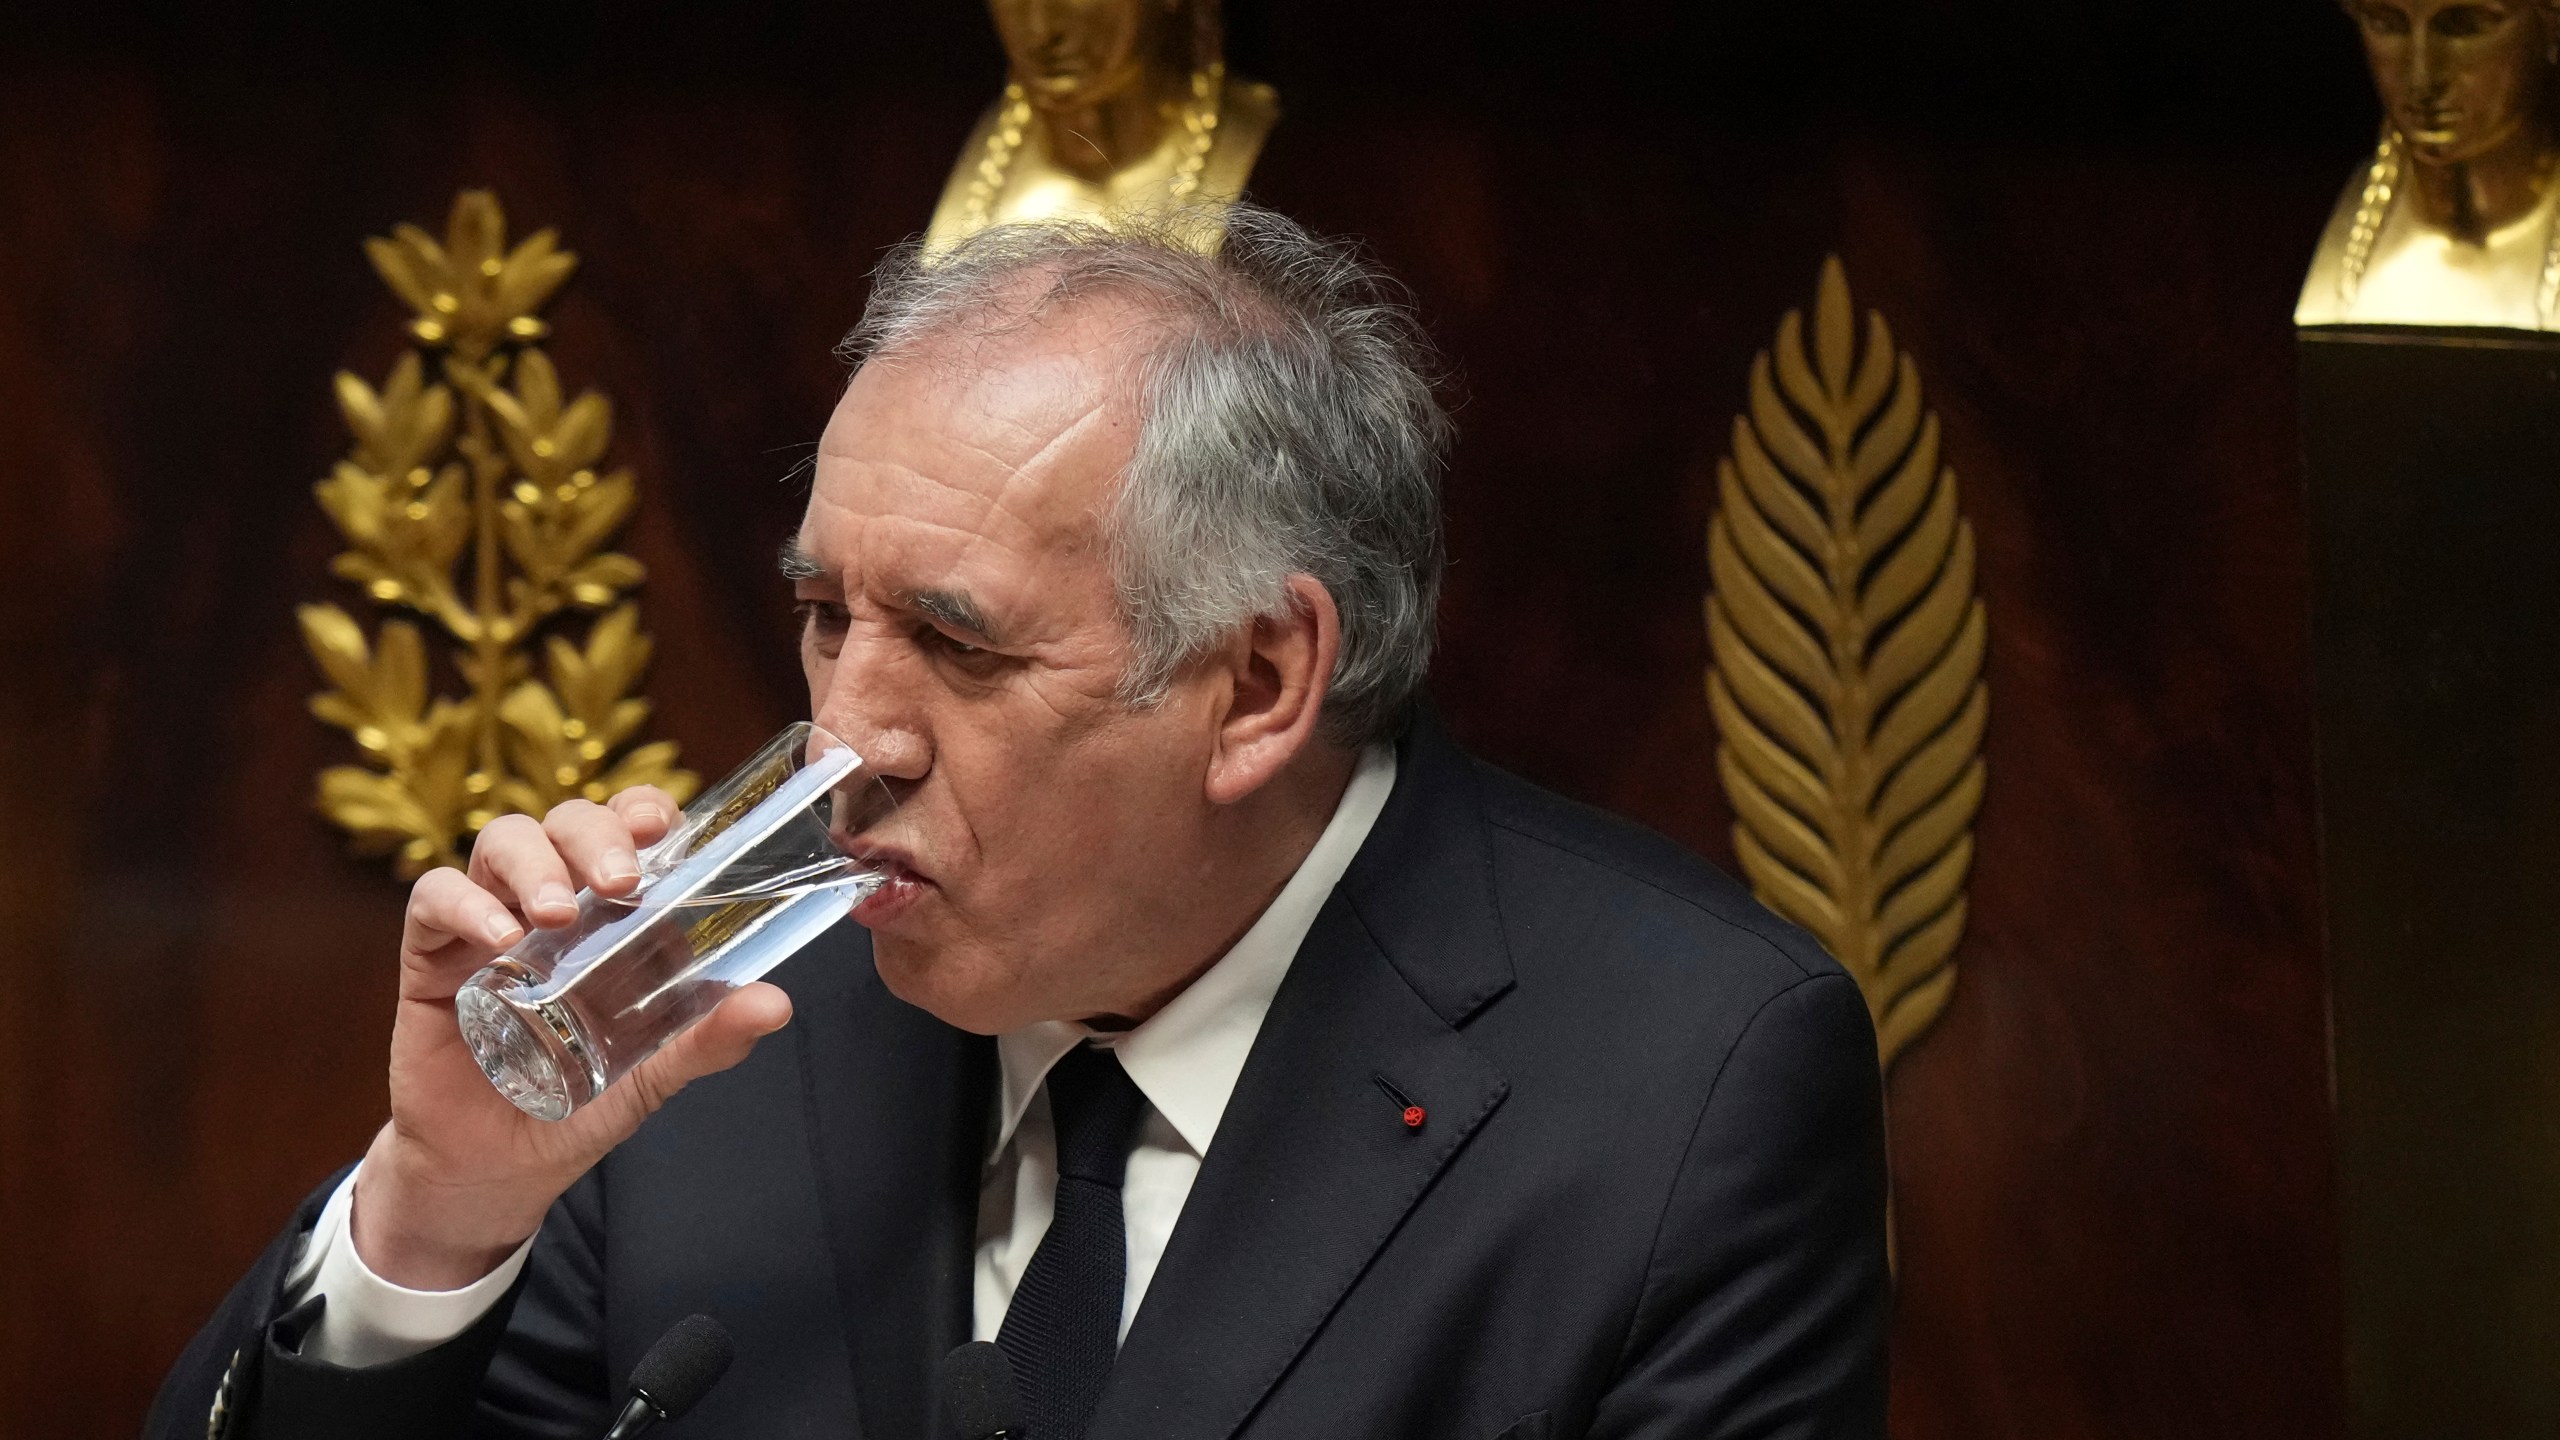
{"x": 1185, "y": 1059}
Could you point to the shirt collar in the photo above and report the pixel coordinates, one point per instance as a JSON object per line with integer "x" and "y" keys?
{"x": 1186, "y": 1057}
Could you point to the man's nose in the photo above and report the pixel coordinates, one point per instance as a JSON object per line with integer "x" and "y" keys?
{"x": 868, "y": 705}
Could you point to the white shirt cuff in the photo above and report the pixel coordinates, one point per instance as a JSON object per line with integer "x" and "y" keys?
{"x": 369, "y": 1320}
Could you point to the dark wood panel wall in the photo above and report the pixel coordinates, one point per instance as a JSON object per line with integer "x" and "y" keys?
{"x": 2113, "y": 1158}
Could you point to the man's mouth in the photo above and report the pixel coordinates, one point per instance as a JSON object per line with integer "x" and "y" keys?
{"x": 900, "y": 887}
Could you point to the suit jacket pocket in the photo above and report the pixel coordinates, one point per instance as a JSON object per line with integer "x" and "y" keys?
{"x": 1540, "y": 1426}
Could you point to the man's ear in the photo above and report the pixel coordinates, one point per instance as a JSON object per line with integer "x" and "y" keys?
{"x": 1280, "y": 671}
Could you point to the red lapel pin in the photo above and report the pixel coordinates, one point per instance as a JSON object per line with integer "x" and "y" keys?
{"x": 1413, "y": 1114}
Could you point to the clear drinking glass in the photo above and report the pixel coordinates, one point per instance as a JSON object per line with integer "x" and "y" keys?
{"x": 756, "y": 868}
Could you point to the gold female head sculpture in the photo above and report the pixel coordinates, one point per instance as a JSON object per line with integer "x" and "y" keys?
{"x": 1110, "y": 108}
{"x": 2452, "y": 220}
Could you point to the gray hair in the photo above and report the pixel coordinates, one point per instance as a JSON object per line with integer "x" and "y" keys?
{"x": 1287, "y": 426}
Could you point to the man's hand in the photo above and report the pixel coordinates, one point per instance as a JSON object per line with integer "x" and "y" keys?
{"x": 459, "y": 1177}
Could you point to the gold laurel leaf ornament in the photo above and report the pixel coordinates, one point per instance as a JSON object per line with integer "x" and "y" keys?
{"x": 472, "y": 502}
{"x": 1847, "y": 647}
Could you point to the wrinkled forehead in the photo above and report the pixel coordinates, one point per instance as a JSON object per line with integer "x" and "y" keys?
{"x": 1014, "y": 433}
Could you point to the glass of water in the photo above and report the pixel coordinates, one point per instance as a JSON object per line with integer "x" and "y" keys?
{"x": 758, "y": 865}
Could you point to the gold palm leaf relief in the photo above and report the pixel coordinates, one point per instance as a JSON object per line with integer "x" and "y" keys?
{"x": 1846, "y": 643}
{"x": 474, "y": 503}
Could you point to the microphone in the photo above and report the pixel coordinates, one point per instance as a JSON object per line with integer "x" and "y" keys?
{"x": 978, "y": 1399}
{"x": 674, "y": 1376}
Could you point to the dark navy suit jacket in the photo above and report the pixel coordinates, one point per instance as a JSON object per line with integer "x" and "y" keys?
{"x": 1647, "y": 1199}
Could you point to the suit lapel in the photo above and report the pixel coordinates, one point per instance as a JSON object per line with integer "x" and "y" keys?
{"x": 897, "y": 1104}
{"x": 1314, "y": 1166}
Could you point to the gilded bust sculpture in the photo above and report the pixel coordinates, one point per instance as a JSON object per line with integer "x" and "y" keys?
{"x": 2452, "y": 221}
{"x": 1110, "y": 107}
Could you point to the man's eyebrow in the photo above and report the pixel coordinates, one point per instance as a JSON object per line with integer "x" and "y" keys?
{"x": 799, "y": 564}
{"x": 953, "y": 608}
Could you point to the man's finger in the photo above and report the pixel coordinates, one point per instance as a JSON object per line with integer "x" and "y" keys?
{"x": 445, "y": 906}
{"x": 721, "y": 1039}
{"x": 452, "y": 925}
{"x": 514, "y": 860}
{"x": 727, "y": 1034}
{"x": 648, "y": 810}
{"x": 597, "y": 845}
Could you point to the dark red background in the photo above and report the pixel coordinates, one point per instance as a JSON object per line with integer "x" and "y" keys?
{"x": 2113, "y": 1157}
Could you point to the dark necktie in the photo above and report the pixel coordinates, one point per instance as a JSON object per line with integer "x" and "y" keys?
{"x": 1063, "y": 1329}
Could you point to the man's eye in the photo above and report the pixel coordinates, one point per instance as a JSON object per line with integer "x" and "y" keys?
{"x": 821, "y": 615}
{"x": 950, "y": 644}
